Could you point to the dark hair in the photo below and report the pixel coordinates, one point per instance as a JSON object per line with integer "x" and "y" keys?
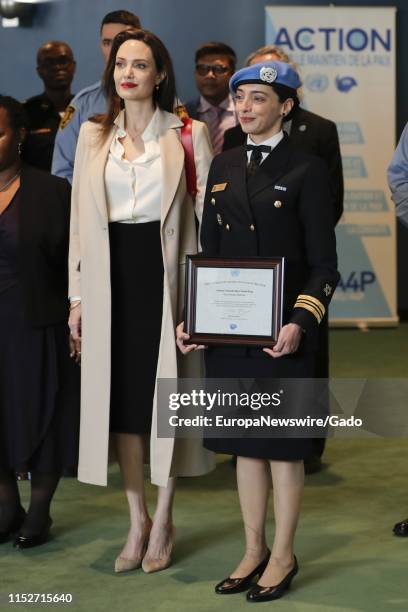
{"x": 284, "y": 92}
{"x": 216, "y": 48}
{"x": 16, "y": 113}
{"x": 164, "y": 96}
{"x": 121, "y": 17}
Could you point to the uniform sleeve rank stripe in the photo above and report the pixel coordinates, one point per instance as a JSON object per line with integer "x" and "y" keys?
{"x": 310, "y": 309}
{"x": 315, "y": 301}
{"x": 302, "y": 304}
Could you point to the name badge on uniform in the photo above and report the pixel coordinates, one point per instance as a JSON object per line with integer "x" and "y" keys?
{"x": 218, "y": 187}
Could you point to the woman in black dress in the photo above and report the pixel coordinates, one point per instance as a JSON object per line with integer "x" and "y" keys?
{"x": 267, "y": 199}
{"x": 39, "y": 383}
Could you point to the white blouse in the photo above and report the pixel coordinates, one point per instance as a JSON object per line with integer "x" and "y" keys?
{"x": 133, "y": 188}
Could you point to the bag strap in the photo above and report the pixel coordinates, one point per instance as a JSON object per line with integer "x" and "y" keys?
{"x": 186, "y": 137}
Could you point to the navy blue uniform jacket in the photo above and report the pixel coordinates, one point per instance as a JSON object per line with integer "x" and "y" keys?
{"x": 312, "y": 134}
{"x": 282, "y": 210}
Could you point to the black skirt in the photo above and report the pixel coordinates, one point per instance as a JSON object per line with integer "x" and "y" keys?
{"x": 39, "y": 393}
{"x": 240, "y": 362}
{"x": 137, "y": 304}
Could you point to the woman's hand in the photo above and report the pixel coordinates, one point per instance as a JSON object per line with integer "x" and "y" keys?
{"x": 74, "y": 324}
{"x": 181, "y": 336}
{"x": 288, "y": 341}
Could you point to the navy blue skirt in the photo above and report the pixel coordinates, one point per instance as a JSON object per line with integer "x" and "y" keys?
{"x": 240, "y": 362}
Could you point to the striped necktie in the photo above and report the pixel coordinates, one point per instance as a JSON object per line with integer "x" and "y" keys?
{"x": 214, "y": 127}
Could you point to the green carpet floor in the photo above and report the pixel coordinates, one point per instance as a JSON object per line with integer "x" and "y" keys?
{"x": 348, "y": 558}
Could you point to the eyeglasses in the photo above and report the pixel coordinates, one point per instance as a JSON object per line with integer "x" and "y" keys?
{"x": 217, "y": 69}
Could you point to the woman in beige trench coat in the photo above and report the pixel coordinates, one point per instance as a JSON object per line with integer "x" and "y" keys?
{"x": 140, "y": 71}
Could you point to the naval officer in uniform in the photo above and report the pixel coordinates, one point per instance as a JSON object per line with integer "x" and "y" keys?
{"x": 268, "y": 198}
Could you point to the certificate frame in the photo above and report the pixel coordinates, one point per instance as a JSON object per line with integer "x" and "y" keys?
{"x": 276, "y": 267}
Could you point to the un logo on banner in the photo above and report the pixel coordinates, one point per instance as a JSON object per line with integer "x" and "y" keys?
{"x": 344, "y": 84}
{"x": 317, "y": 82}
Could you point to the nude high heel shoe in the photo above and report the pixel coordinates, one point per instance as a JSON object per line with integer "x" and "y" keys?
{"x": 152, "y": 564}
{"x": 123, "y": 564}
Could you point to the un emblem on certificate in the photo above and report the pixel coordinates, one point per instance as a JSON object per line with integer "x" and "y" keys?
{"x": 233, "y": 326}
{"x": 235, "y": 272}
{"x": 268, "y": 74}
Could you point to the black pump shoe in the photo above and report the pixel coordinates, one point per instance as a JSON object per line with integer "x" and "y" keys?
{"x": 401, "y": 529}
{"x": 259, "y": 593}
{"x": 238, "y": 585}
{"x": 37, "y": 539}
{"x": 14, "y": 526}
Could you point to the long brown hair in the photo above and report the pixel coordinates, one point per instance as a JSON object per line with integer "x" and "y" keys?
{"x": 163, "y": 96}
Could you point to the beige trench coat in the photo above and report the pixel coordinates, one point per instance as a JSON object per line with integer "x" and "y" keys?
{"x": 89, "y": 272}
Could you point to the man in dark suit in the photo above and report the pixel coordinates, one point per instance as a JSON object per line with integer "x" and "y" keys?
{"x": 214, "y": 66}
{"x": 312, "y": 134}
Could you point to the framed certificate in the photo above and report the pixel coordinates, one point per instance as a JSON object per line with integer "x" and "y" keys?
{"x": 233, "y": 300}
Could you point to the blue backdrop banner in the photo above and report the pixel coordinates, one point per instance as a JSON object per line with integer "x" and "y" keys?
{"x": 346, "y": 58}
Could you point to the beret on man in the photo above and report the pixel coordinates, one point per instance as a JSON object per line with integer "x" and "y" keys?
{"x": 266, "y": 73}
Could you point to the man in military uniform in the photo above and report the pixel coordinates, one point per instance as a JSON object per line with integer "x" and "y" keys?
{"x": 90, "y": 101}
{"x": 56, "y": 68}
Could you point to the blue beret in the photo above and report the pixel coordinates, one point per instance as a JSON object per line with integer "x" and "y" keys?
{"x": 267, "y": 73}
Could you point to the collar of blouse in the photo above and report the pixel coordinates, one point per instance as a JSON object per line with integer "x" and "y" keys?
{"x": 160, "y": 122}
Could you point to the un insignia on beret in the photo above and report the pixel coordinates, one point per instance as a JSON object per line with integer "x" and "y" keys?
{"x": 268, "y": 74}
